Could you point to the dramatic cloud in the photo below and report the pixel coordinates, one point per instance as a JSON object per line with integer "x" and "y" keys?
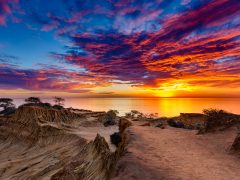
{"x": 11, "y": 77}
{"x": 149, "y": 44}
{"x": 187, "y": 45}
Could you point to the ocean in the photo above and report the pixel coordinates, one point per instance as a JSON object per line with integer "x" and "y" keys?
{"x": 163, "y": 106}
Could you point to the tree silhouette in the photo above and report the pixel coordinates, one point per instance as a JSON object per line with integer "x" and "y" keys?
{"x": 34, "y": 100}
{"x": 6, "y": 103}
{"x": 58, "y": 101}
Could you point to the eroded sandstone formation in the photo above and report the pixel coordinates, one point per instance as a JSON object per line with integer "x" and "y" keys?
{"x": 95, "y": 161}
{"x": 35, "y": 144}
{"x": 31, "y": 124}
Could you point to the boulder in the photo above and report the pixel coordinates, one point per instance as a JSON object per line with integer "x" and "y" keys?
{"x": 115, "y": 138}
{"x": 175, "y": 123}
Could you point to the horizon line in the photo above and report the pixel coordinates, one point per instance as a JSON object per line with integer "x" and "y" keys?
{"x": 46, "y": 97}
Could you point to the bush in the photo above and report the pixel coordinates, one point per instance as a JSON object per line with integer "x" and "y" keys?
{"x": 46, "y": 105}
{"x": 59, "y": 101}
{"x": 214, "y": 113}
{"x": 217, "y": 120}
{"x": 33, "y": 100}
{"x": 43, "y": 105}
{"x": 6, "y": 103}
{"x": 110, "y": 118}
{"x": 8, "y": 111}
{"x": 58, "y": 107}
{"x": 134, "y": 114}
{"x": 215, "y": 117}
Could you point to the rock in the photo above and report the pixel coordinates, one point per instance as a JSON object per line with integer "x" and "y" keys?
{"x": 30, "y": 124}
{"x": 123, "y": 124}
{"x": 175, "y": 123}
{"x": 96, "y": 161}
{"x": 146, "y": 124}
{"x": 236, "y": 144}
{"x": 115, "y": 138}
{"x": 64, "y": 155}
{"x": 192, "y": 121}
{"x": 160, "y": 125}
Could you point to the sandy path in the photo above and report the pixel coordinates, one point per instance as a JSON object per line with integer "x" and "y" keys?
{"x": 172, "y": 153}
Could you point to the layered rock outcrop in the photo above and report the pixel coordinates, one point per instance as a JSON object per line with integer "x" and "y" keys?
{"x": 95, "y": 161}
{"x": 188, "y": 121}
{"x": 32, "y": 124}
{"x": 211, "y": 121}
{"x": 35, "y": 144}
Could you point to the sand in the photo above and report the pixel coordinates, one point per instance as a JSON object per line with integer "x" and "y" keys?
{"x": 172, "y": 153}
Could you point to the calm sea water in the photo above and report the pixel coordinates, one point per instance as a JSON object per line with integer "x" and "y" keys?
{"x": 162, "y": 106}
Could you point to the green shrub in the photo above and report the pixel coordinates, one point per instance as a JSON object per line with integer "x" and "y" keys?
{"x": 110, "y": 118}
{"x": 217, "y": 119}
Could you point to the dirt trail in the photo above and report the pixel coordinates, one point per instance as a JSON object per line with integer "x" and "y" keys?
{"x": 171, "y": 153}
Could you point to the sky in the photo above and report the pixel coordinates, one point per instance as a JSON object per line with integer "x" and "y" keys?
{"x": 120, "y": 48}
